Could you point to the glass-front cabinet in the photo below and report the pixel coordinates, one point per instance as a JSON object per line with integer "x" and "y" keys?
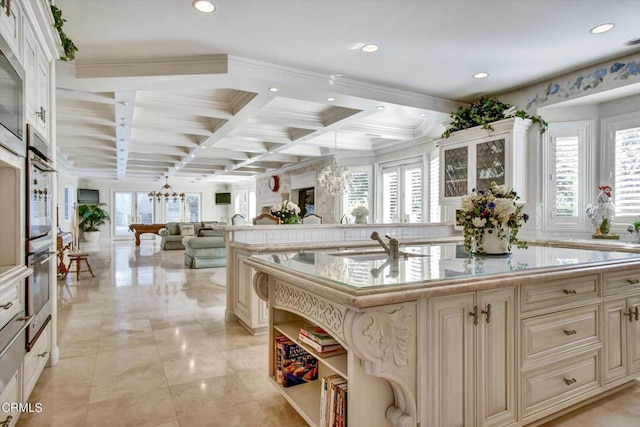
{"x": 473, "y": 158}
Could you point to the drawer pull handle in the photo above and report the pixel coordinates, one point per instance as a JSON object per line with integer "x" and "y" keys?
{"x": 487, "y": 312}
{"x": 570, "y": 381}
{"x": 6, "y": 421}
{"x": 571, "y": 332}
{"x": 43, "y": 354}
{"x": 474, "y": 313}
{"x": 633, "y": 281}
{"x": 569, "y": 291}
{"x": 7, "y": 306}
{"x": 633, "y": 314}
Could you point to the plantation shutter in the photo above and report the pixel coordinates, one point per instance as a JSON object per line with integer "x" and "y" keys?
{"x": 567, "y": 167}
{"x": 626, "y": 189}
{"x": 390, "y": 196}
{"x": 358, "y": 194}
{"x": 67, "y": 204}
{"x": 413, "y": 193}
{"x": 434, "y": 189}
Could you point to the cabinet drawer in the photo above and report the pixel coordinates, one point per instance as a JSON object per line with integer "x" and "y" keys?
{"x": 36, "y": 360}
{"x": 558, "y": 332}
{"x": 547, "y": 294}
{"x": 10, "y": 394}
{"x": 560, "y": 382}
{"x": 11, "y": 302}
{"x": 621, "y": 281}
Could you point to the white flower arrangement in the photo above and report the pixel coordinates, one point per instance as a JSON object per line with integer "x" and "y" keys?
{"x": 493, "y": 210}
{"x": 288, "y": 212}
{"x": 360, "y": 211}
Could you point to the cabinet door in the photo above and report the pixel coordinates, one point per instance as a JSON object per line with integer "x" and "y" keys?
{"x": 451, "y": 356}
{"x": 42, "y": 103}
{"x": 490, "y": 163}
{"x": 30, "y": 60}
{"x": 495, "y": 388}
{"x": 615, "y": 340}
{"x": 455, "y": 172}
{"x": 11, "y": 27}
{"x": 633, "y": 336}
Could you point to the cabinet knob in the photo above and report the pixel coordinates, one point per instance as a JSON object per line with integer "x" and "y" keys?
{"x": 568, "y": 381}
{"x": 6, "y": 421}
{"x": 632, "y": 314}
{"x": 7, "y": 306}
{"x": 633, "y": 281}
{"x": 570, "y": 332}
{"x": 569, "y": 291}
{"x": 43, "y": 354}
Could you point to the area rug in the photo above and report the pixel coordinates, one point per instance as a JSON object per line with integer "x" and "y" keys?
{"x": 219, "y": 277}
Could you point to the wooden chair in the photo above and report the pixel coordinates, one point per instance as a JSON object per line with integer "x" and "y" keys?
{"x": 266, "y": 219}
{"x": 237, "y": 219}
{"x": 312, "y": 219}
{"x": 75, "y": 259}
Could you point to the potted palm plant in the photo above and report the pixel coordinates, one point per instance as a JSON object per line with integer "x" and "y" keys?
{"x": 91, "y": 218}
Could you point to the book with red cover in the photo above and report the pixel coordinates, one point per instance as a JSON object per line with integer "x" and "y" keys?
{"x": 322, "y": 350}
{"x": 278, "y": 343}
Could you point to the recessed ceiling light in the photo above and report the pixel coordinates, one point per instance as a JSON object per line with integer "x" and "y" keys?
{"x": 632, "y": 42}
{"x": 423, "y": 114}
{"x": 369, "y": 48}
{"x": 331, "y": 99}
{"x": 193, "y": 155}
{"x": 380, "y": 107}
{"x": 203, "y": 6}
{"x": 273, "y": 89}
{"x": 603, "y": 28}
{"x": 481, "y": 75}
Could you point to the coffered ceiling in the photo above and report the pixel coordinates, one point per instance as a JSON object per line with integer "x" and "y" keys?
{"x": 158, "y": 88}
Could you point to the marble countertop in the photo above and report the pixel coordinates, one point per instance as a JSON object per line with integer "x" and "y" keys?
{"x": 365, "y": 277}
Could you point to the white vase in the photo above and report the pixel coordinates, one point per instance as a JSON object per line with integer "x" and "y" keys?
{"x": 494, "y": 245}
{"x": 91, "y": 236}
{"x": 361, "y": 219}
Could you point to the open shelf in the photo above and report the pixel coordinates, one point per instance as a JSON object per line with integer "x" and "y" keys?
{"x": 305, "y": 398}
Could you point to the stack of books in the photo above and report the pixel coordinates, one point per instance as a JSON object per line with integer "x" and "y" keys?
{"x": 333, "y": 401}
{"x": 320, "y": 342}
{"x": 293, "y": 364}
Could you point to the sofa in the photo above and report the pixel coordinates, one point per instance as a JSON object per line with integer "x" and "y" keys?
{"x": 173, "y": 232}
{"x": 205, "y": 251}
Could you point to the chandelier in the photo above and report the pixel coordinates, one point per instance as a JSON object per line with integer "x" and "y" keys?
{"x": 333, "y": 178}
{"x": 166, "y": 192}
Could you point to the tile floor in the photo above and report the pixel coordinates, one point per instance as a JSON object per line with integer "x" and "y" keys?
{"x": 144, "y": 343}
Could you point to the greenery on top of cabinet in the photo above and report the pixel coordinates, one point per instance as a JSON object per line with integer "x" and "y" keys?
{"x": 486, "y": 111}
{"x": 69, "y": 47}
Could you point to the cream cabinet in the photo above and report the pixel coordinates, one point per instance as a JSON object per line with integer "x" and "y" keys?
{"x": 11, "y": 26}
{"x": 471, "y": 342}
{"x": 8, "y": 400}
{"x": 473, "y": 158}
{"x": 36, "y": 360}
{"x": 37, "y": 87}
{"x": 622, "y": 338}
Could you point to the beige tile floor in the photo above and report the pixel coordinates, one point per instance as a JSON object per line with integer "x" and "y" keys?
{"x": 145, "y": 343}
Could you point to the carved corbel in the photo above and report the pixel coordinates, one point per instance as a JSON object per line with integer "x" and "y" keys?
{"x": 384, "y": 339}
{"x": 261, "y": 285}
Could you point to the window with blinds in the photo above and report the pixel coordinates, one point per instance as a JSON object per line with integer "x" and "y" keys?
{"x": 390, "y": 196}
{"x": 402, "y": 192}
{"x": 358, "y": 194}
{"x": 413, "y": 193}
{"x": 434, "y": 189}
{"x": 569, "y": 180}
{"x": 566, "y": 177}
{"x": 68, "y": 207}
{"x": 626, "y": 187}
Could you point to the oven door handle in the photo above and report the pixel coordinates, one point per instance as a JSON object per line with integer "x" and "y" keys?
{"x": 42, "y": 261}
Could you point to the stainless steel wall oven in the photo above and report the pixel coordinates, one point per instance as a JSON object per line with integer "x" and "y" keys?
{"x": 39, "y": 234}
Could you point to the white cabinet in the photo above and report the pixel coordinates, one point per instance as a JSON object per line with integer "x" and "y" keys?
{"x": 252, "y": 312}
{"x": 37, "y": 83}
{"x": 622, "y": 338}
{"x": 36, "y": 360}
{"x": 471, "y": 345}
{"x": 11, "y": 26}
{"x": 10, "y": 395}
{"x": 473, "y": 158}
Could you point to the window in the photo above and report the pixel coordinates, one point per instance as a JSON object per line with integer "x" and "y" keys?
{"x": 245, "y": 203}
{"x": 189, "y": 210}
{"x": 68, "y": 203}
{"x": 621, "y": 147}
{"x": 434, "y": 188}
{"x": 402, "y": 192}
{"x": 358, "y": 194}
{"x": 569, "y": 181}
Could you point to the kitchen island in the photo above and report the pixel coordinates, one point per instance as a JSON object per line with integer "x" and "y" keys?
{"x": 442, "y": 338}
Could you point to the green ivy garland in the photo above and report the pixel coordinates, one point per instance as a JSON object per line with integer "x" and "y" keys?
{"x": 486, "y": 111}
{"x": 69, "y": 47}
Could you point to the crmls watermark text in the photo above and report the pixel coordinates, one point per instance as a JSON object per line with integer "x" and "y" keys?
{"x": 21, "y": 407}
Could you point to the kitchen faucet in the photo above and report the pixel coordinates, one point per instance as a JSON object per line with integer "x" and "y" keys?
{"x": 392, "y": 249}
